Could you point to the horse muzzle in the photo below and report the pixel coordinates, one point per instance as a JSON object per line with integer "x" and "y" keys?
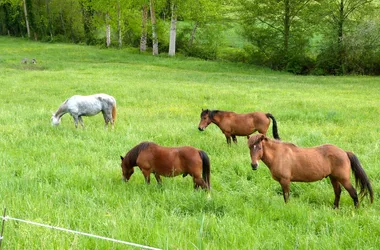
{"x": 201, "y": 129}
{"x": 254, "y": 166}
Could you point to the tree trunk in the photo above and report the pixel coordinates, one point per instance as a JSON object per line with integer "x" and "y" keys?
{"x": 173, "y": 31}
{"x": 154, "y": 32}
{"x": 192, "y": 37}
{"x": 63, "y": 23}
{"x": 108, "y": 31}
{"x": 340, "y": 36}
{"x": 286, "y": 26}
{"x": 26, "y": 18}
{"x": 143, "y": 28}
{"x": 119, "y": 24}
{"x": 340, "y": 22}
{"x": 49, "y": 20}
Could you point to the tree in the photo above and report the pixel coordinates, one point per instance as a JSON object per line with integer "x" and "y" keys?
{"x": 276, "y": 29}
{"x": 26, "y": 18}
{"x": 143, "y": 38}
{"x": 173, "y": 29}
{"x": 154, "y": 28}
{"x": 341, "y": 15}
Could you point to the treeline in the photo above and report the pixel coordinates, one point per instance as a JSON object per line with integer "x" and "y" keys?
{"x": 299, "y": 36}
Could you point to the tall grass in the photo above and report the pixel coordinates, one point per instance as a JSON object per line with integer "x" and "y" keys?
{"x": 71, "y": 177}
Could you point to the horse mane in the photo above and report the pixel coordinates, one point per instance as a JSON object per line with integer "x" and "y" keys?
{"x": 274, "y": 141}
{"x": 212, "y": 113}
{"x": 284, "y": 143}
{"x": 135, "y": 151}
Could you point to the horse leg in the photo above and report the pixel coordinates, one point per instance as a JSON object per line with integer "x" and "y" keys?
{"x": 228, "y": 137}
{"x": 285, "y": 184}
{"x": 199, "y": 182}
{"x": 146, "y": 174}
{"x": 352, "y": 191}
{"x": 158, "y": 179}
{"x": 337, "y": 191}
{"x": 234, "y": 139}
{"x": 106, "y": 120}
{"x": 81, "y": 121}
{"x": 75, "y": 117}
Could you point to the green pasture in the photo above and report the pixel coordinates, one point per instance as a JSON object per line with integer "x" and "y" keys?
{"x": 71, "y": 178}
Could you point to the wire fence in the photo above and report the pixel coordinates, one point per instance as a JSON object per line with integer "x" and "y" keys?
{"x": 8, "y": 218}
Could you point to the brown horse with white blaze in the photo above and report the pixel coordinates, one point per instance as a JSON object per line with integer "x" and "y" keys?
{"x": 288, "y": 163}
{"x": 233, "y": 124}
{"x": 167, "y": 161}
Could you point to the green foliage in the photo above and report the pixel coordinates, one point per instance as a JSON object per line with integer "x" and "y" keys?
{"x": 276, "y": 34}
{"x": 71, "y": 178}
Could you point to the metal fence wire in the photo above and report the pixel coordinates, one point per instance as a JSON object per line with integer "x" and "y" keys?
{"x": 8, "y": 218}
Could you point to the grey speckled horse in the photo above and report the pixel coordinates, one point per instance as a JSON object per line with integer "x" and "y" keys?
{"x": 79, "y": 106}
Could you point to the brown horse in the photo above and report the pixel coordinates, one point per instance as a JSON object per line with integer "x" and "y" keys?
{"x": 169, "y": 162}
{"x": 233, "y": 124}
{"x": 287, "y": 163}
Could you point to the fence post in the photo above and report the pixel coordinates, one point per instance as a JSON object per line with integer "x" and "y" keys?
{"x": 2, "y": 226}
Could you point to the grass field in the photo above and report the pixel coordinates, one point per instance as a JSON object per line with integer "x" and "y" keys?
{"x": 71, "y": 178}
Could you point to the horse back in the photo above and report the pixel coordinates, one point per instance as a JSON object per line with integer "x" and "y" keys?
{"x": 246, "y": 124}
{"x": 312, "y": 164}
{"x": 168, "y": 161}
{"x": 336, "y": 158}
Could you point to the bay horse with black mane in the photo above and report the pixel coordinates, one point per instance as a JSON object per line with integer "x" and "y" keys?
{"x": 233, "y": 124}
{"x": 288, "y": 163}
{"x": 167, "y": 161}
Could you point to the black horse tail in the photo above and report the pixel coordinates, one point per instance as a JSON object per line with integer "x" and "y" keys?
{"x": 274, "y": 126}
{"x": 361, "y": 177}
{"x": 205, "y": 168}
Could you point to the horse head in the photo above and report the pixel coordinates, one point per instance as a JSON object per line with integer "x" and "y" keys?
{"x": 205, "y": 119}
{"x": 55, "y": 121}
{"x": 126, "y": 168}
{"x": 256, "y": 149}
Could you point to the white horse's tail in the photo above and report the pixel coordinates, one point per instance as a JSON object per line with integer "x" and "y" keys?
{"x": 114, "y": 112}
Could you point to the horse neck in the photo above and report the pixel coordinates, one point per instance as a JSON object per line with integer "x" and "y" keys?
{"x": 132, "y": 155}
{"x": 269, "y": 148}
{"x": 216, "y": 116}
{"x": 128, "y": 162}
{"x": 61, "y": 110}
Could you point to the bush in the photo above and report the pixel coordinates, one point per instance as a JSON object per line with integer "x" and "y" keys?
{"x": 233, "y": 55}
{"x": 300, "y": 65}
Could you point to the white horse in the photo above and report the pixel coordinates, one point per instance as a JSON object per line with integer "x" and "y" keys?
{"x": 79, "y": 106}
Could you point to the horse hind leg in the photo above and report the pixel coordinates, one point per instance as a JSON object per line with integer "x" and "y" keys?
{"x": 337, "y": 191}
{"x": 106, "y": 119}
{"x": 352, "y": 191}
{"x": 199, "y": 182}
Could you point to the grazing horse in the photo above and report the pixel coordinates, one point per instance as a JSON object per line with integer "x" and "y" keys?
{"x": 287, "y": 163}
{"x": 153, "y": 158}
{"x": 79, "y": 106}
{"x": 233, "y": 124}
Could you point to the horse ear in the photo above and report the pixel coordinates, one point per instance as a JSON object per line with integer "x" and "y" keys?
{"x": 262, "y": 137}
{"x": 121, "y": 157}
